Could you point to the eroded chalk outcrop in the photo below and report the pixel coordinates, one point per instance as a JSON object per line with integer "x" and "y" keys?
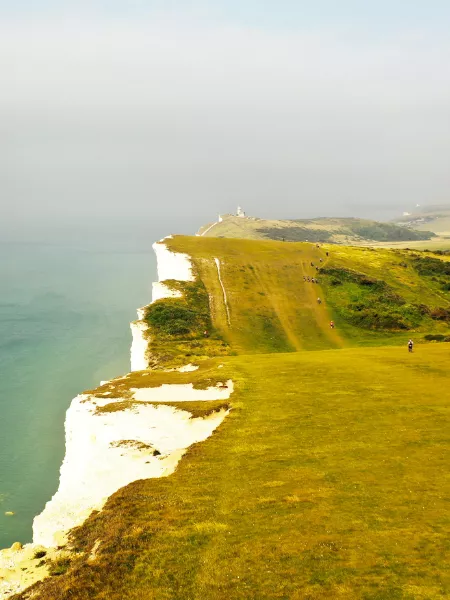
{"x": 108, "y": 450}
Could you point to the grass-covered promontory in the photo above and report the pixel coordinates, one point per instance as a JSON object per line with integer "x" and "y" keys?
{"x": 329, "y": 477}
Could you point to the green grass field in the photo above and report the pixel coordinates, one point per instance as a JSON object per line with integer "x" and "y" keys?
{"x": 329, "y": 478}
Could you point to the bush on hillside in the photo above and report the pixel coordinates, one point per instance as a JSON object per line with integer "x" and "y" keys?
{"x": 434, "y": 268}
{"x": 370, "y": 303}
{"x": 341, "y": 276}
{"x": 426, "y": 265}
{"x": 295, "y": 234}
{"x": 59, "y": 566}
{"x": 177, "y": 326}
{"x": 172, "y": 317}
{"x": 387, "y": 232}
{"x": 181, "y": 317}
{"x": 441, "y": 314}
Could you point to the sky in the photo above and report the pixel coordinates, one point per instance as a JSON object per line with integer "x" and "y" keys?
{"x": 119, "y": 114}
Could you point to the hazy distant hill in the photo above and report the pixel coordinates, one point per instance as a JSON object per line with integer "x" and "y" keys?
{"x": 430, "y": 218}
{"x": 331, "y": 230}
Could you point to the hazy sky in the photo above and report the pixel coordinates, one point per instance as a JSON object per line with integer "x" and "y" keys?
{"x": 147, "y": 110}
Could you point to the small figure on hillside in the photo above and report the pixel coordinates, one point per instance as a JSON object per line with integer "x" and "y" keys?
{"x": 309, "y": 278}
{"x": 410, "y": 346}
{"x": 319, "y": 301}
{"x": 332, "y": 324}
{"x": 327, "y": 253}
{"x": 206, "y": 333}
{"x": 304, "y": 277}
{"x": 321, "y": 260}
{"x": 312, "y": 264}
{"x": 317, "y": 269}
{"x": 317, "y": 245}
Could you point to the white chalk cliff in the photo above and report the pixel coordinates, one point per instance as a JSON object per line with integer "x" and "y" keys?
{"x": 106, "y": 450}
{"x": 171, "y": 265}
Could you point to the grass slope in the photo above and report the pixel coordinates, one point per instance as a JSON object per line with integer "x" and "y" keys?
{"x": 273, "y": 309}
{"x": 407, "y": 299}
{"x": 328, "y": 480}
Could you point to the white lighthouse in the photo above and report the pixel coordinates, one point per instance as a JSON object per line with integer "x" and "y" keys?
{"x": 240, "y": 212}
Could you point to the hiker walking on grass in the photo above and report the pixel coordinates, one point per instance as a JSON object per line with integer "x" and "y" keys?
{"x": 319, "y": 301}
{"x": 410, "y": 346}
{"x": 332, "y": 324}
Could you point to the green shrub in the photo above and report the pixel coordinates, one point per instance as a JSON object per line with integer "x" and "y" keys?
{"x": 370, "y": 303}
{"x": 295, "y": 234}
{"x": 181, "y": 317}
{"x": 440, "y": 314}
{"x": 59, "y": 567}
{"x": 171, "y": 316}
{"x": 438, "y": 270}
{"x": 387, "y": 232}
{"x": 177, "y": 326}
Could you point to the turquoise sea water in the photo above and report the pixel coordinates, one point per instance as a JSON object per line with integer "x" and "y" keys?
{"x": 64, "y": 326}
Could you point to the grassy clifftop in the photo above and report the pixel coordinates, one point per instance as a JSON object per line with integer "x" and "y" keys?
{"x": 328, "y": 479}
{"x": 271, "y": 308}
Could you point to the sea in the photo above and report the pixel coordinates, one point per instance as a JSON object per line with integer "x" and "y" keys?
{"x": 65, "y": 309}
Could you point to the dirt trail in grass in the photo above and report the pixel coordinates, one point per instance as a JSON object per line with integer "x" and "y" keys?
{"x": 224, "y": 292}
{"x": 321, "y": 313}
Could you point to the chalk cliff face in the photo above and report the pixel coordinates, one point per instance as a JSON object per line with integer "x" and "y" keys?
{"x": 138, "y": 360}
{"x": 108, "y": 449}
{"x": 171, "y": 265}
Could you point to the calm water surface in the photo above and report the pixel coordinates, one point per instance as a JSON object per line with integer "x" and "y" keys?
{"x": 64, "y": 326}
